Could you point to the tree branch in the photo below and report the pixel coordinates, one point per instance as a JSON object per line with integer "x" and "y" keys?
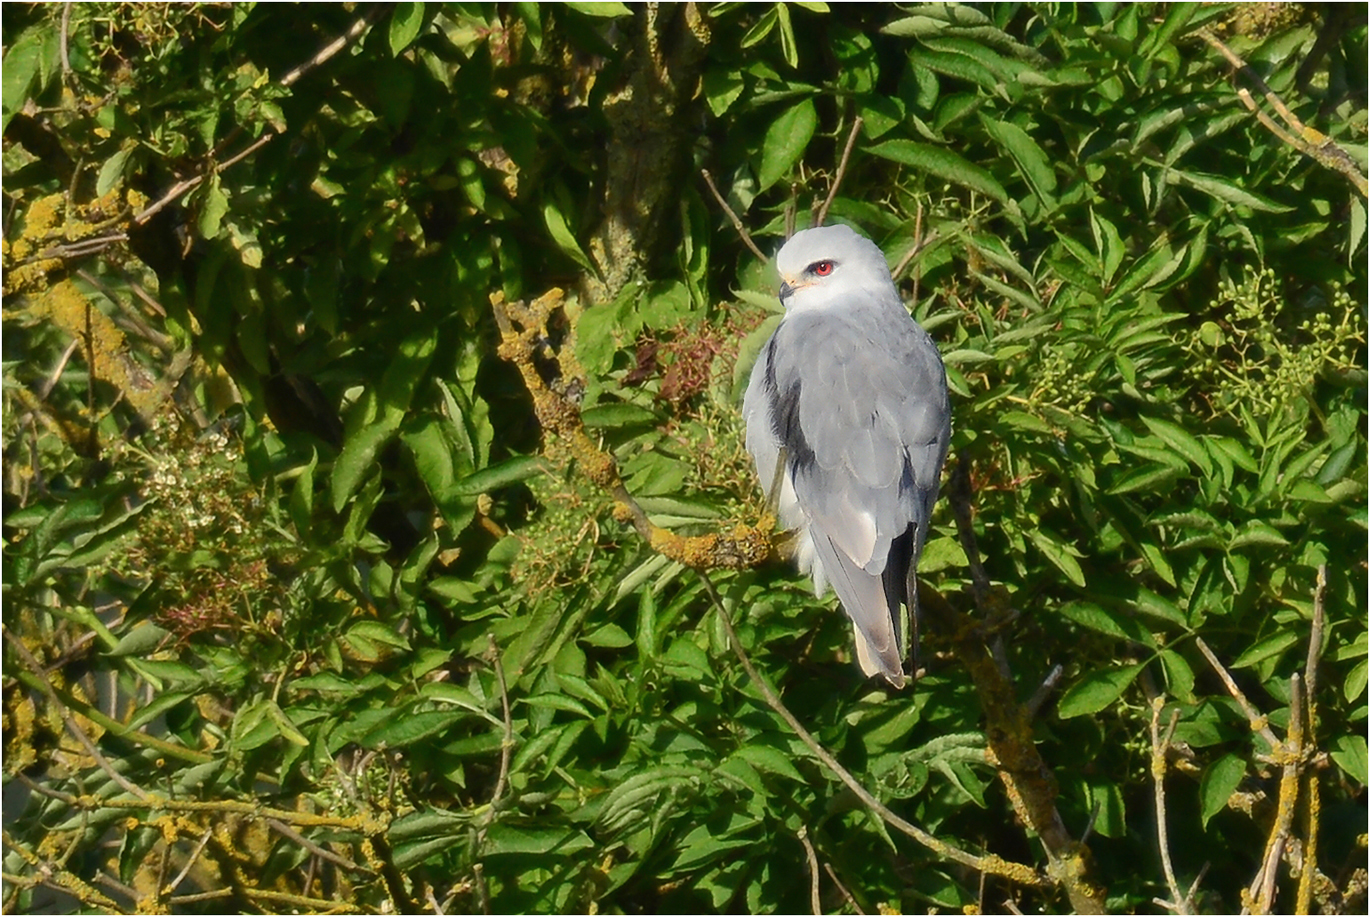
{"x": 841, "y": 172}
{"x": 736, "y": 220}
{"x": 1312, "y": 143}
{"x": 992, "y": 864}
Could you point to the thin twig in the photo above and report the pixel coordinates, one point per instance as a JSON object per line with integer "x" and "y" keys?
{"x": 109, "y": 881}
{"x": 841, "y": 172}
{"x": 507, "y": 745}
{"x": 1048, "y": 685}
{"x": 201, "y": 896}
{"x": 51, "y": 381}
{"x": 736, "y": 221}
{"x": 1259, "y": 723}
{"x": 914, "y": 249}
{"x": 159, "y": 340}
{"x": 323, "y": 853}
{"x": 832, "y": 874}
{"x": 34, "y": 666}
{"x": 432, "y": 900}
{"x": 333, "y": 47}
{"x": 190, "y": 862}
{"x": 69, "y": 250}
{"x": 1094, "y": 813}
{"x": 1194, "y": 886}
{"x": 1310, "y": 669}
{"x": 42, "y": 790}
{"x": 1159, "y": 746}
{"x": 194, "y": 181}
{"x": 148, "y": 299}
{"x": 1312, "y": 797}
{"x": 815, "y": 902}
{"x": 1292, "y": 753}
{"x": 482, "y": 892}
{"x": 62, "y": 41}
{"x": 991, "y": 863}
{"x": 109, "y": 724}
{"x": 791, "y": 210}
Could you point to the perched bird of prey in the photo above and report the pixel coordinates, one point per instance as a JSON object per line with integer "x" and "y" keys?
{"x": 848, "y": 417}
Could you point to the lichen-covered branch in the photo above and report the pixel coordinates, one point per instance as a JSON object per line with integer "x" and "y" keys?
{"x": 1027, "y": 780}
{"x": 521, "y": 326}
{"x": 1306, "y": 140}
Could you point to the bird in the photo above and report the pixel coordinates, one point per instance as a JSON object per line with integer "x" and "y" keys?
{"x": 848, "y": 419}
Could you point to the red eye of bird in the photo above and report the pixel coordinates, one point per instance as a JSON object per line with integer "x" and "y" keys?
{"x": 823, "y": 268}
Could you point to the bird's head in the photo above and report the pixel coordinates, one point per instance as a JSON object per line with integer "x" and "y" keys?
{"x": 820, "y": 268}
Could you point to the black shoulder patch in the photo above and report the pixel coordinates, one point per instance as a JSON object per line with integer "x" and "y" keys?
{"x": 785, "y": 416}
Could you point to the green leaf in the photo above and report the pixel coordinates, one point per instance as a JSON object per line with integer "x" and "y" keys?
{"x": 762, "y": 28}
{"x": 405, "y": 23}
{"x": 1151, "y": 478}
{"x": 1354, "y": 685}
{"x": 610, "y": 635}
{"x": 1060, "y": 554}
{"x": 1097, "y": 618}
{"x": 785, "y": 142}
{"x": 1179, "y": 676}
{"x": 601, "y": 10}
{"x": 405, "y": 728}
{"x": 112, "y": 172}
{"x": 141, "y": 640}
{"x": 23, "y": 66}
{"x": 1220, "y": 780}
{"x": 393, "y": 395}
{"x": 355, "y": 461}
{"x": 563, "y": 237}
{"x": 1256, "y": 532}
{"x": 213, "y": 208}
{"x": 1096, "y": 691}
{"x": 721, "y": 89}
{"x": 1224, "y": 190}
{"x": 284, "y": 725}
{"x": 1155, "y": 556}
{"x": 787, "y": 44}
{"x": 559, "y": 702}
{"x": 1350, "y": 755}
{"x": 506, "y": 839}
{"x": 1031, "y": 160}
{"x": 771, "y": 760}
{"x": 1109, "y": 245}
{"x": 942, "y": 163}
{"x": 618, "y": 414}
{"x": 1182, "y": 442}
{"x": 379, "y": 632}
{"x": 1271, "y": 646}
{"x": 510, "y": 471}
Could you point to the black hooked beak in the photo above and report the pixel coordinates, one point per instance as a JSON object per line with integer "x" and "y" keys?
{"x": 785, "y": 291}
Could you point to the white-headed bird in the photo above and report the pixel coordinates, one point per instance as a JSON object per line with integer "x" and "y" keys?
{"x": 849, "y": 397}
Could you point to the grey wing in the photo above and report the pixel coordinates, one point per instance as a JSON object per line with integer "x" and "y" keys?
{"x": 869, "y": 422}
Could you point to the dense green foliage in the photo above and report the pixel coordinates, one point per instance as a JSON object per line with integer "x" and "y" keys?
{"x": 281, "y": 526}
